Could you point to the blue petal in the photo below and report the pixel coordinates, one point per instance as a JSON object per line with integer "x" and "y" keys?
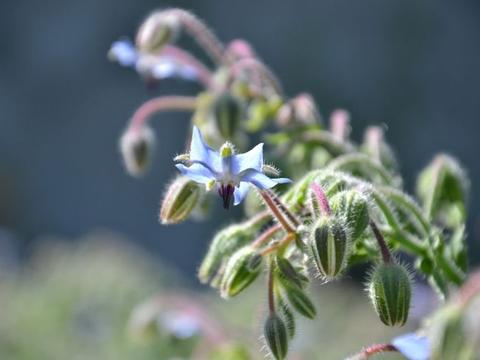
{"x": 413, "y": 346}
{"x": 164, "y": 69}
{"x": 261, "y": 180}
{"x": 123, "y": 52}
{"x": 196, "y": 172}
{"x": 252, "y": 159}
{"x": 240, "y": 192}
{"x": 199, "y": 151}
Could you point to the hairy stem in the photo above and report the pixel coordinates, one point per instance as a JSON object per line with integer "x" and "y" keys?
{"x": 386, "y": 255}
{"x": 163, "y": 103}
{"x": 277, "y": 213}
{"x": 202, "y": 35}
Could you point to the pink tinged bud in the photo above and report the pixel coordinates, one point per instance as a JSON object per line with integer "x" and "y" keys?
{"x": 136, "y": 146}
{"x": 340, "y": 124}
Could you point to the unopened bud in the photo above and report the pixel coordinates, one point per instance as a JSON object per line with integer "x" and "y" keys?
{"x": 136, "y": 146}
{"x": 353, "y": 206}
{"x": 223, "y": 245}
{"x": 299, "y": 110}
{"x": 288, "y": 274}
{"x": 227, "y": 113}
{"x": 328, "y": 247}
{"x": 241, "y": 270}
{"x": 276, "y": 336}
{"x": 287, "y": 316}
{"x": 179, "y": 201}
{"x": 156, "y": 31}
{"x": 374, "y": 145}
{"x": 447, "y": 200}
{"x": 300, "y": 301}
{"x": 390, "y": 292}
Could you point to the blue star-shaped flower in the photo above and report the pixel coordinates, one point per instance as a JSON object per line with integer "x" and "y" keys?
{"x": 231, "y": 173}
{"x": 150, "y": 66}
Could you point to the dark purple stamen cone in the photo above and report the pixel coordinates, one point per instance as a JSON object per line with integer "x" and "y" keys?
{"x": 226, "y": 192}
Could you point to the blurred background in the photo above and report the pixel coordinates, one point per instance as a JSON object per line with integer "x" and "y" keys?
{"x": 410, "y": 65}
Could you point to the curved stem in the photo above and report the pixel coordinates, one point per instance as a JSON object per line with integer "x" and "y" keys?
{"x": 202, "y": 35}
{"x": 276, "y": 211}
{"x": 386, "y": 255}
{"x": 184, "y": 57}
{"x": 372, "y": 350}
{"x": 260, "y": 69}
{"x": 279, "y": 245}
{"x": 163, "y": 103}
{"x": 267, "y": 235}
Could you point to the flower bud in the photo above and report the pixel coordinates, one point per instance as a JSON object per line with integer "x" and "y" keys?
{"x": 227, "y": 113}
{"x": 276, "y": 336}
{"x": 287, "y": 316}
{"x": 136, "y": 146}
{"x": 328, "y": 247}
{"x": 179, "y": 201}
{"x": 156, "y": 31}
{"x": 353, "y": 206}
{"x": 241, "y": 270}
{"x": 287, "y": 274}
{"x": 375, "y": 146}
{"x": 299, "y": 110}
{"x": 443, "y": 187}
{"x": 300, "y": 301}
{"x": 390, "y": 292}
{"x": 223, "y": 245}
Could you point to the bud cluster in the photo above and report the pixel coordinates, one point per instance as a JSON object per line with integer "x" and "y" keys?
{"x": 346, "y": 205}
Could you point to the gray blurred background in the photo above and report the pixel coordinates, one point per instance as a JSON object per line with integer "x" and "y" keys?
{"x": 411, "y": 65}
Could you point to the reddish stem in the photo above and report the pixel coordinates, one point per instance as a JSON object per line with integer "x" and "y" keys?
{"x": 276, "y": 211}
{"x": 378, "y": 348}
{"x": 184, "y": 57}
{"x": 202, "y": 35}
{"x": 267, "y": 235}
{"x": 163, "y": 103}
{"x": 386, "y": 255}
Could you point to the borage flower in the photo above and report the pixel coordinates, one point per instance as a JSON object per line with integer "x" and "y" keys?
{"x": 153, "y": 67}
{"x": 232, "y": 174}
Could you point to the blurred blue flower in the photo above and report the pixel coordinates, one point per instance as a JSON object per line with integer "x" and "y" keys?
{"x": 150, "y": 66}
{"x": 233, "y": 174}
{"x": 413, "y": 346}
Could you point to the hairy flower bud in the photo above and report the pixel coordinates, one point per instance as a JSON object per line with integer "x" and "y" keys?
{"x": 181, "y": 198}
{"x": 443, "y": 187}
{"x": 300, "y": 301}
{"x": 328, "y": 247}
{"x": 299, "y": 110}
{"x": 136, "y": 146}
{"x": 390, "y": 292}
{"x": 240, "y": 271}
{"x": 288, "y": 274}
{"x": 157, "y": 30}
{"x": 223, "y": 245}
{"x": 353, "y": 206}
{"x": 227, "y": 113}
{"x": 276, "y": 336}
